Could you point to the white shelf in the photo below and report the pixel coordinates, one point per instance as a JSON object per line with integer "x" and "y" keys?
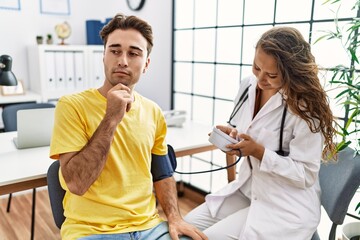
{"x": 57, "y": 70}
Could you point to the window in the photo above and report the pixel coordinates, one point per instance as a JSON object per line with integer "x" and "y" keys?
{"x": 214, "y": 49}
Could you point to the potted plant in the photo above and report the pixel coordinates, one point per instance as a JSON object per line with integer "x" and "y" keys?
{"x": 351, "y": 231}
{"x": 346, "y": 78}
{"x": 49, "y": 39}
{"x": 39, "y": 39}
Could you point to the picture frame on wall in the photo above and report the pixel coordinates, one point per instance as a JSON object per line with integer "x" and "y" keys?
{"x": 55, "y": 7}
{"x": 13, "y": 90}
{"x": 10, "y": 4}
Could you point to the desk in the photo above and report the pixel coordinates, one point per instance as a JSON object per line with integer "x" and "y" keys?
{"x": 26, "y": 168}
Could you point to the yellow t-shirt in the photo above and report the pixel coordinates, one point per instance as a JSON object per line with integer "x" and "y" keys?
{"x": 121, "y": 199}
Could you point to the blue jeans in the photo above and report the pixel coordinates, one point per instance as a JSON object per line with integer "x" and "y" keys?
{"x": 160, "y": 232}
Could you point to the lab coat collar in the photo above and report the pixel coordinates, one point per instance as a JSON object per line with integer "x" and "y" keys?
{"x": 274, "y": 102}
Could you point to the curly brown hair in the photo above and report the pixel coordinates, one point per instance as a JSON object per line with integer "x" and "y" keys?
{"x": 301, "y": 87}
{"x": 121, "y": 21}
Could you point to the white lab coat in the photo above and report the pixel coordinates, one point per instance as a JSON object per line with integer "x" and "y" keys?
{"x": 284, "y": 191}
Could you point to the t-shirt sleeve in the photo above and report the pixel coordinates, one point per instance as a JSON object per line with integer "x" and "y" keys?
{"x": 69, "y": 133}
{"x": 160, "y": 145}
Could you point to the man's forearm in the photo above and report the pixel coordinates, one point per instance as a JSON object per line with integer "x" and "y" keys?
{"x": 81, "y": 170}
{"x": 166, "y": 194}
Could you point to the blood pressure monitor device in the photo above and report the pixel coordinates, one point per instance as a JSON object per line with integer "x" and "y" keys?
{"x": 221, "y": 139}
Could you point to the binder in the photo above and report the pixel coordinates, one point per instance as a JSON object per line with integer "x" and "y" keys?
{"x": 79, "y": 71}
{"x": 93, "y": 28}
{"x": 98, "y": 67}
{"x": 50, "y": 70}
{"x": 69, "y": 71}
{"x": 60, "y": 70}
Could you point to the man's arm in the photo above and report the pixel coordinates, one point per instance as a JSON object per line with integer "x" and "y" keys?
{"x": 166, "y": 194}
{"x": 81, "y": 169}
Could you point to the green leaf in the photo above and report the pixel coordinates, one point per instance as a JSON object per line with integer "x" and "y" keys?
{"x": 320, "y": 38}
{"x": 358, "y": 207}
{"x": 342, "y": 145}
{"x": 331, "y": 1}
{"x": 353, "y": 55}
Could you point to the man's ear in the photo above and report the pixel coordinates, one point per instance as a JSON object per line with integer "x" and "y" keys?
{"x": 146, "y": 65}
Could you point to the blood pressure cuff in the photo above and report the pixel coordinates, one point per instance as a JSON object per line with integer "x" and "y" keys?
{"x": 163, "y": 166}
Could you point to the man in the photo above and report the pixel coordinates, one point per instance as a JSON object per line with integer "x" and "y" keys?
{"x": 111, "y": 146}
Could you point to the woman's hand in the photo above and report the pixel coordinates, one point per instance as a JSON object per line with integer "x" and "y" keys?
{"x": 247, "y": 147}
{"x": 232, "y": 132}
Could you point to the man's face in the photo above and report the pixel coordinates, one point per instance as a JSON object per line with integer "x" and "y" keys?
{"x": 125, "y": 57}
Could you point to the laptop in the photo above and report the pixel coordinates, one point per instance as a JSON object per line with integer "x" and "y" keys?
{"x": 34, "y": 127}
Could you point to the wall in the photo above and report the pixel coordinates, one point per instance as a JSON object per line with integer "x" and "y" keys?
{"x": 19, "y": 30}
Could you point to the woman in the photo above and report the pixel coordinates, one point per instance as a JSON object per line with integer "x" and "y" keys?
{"x": 277, "y": 193}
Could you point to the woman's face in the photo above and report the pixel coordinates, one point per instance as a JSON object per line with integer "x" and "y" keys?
{"x": 266, "y": 71}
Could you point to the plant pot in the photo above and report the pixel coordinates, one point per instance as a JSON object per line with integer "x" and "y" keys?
{"x": 351, "y": 231}
{"x": 39, "y": 40}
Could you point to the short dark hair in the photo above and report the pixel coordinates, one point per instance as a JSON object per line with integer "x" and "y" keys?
{"x": 121, "y": 21}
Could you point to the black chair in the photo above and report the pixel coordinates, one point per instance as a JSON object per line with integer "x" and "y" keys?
{"x": 9, "y": 113}
{"x": 56, "y": 193}
{"x": 339, "y": 182}
{"x": 9, "y": 116}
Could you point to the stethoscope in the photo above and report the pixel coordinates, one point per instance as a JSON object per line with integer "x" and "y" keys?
{"x": 244, "y": 96}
